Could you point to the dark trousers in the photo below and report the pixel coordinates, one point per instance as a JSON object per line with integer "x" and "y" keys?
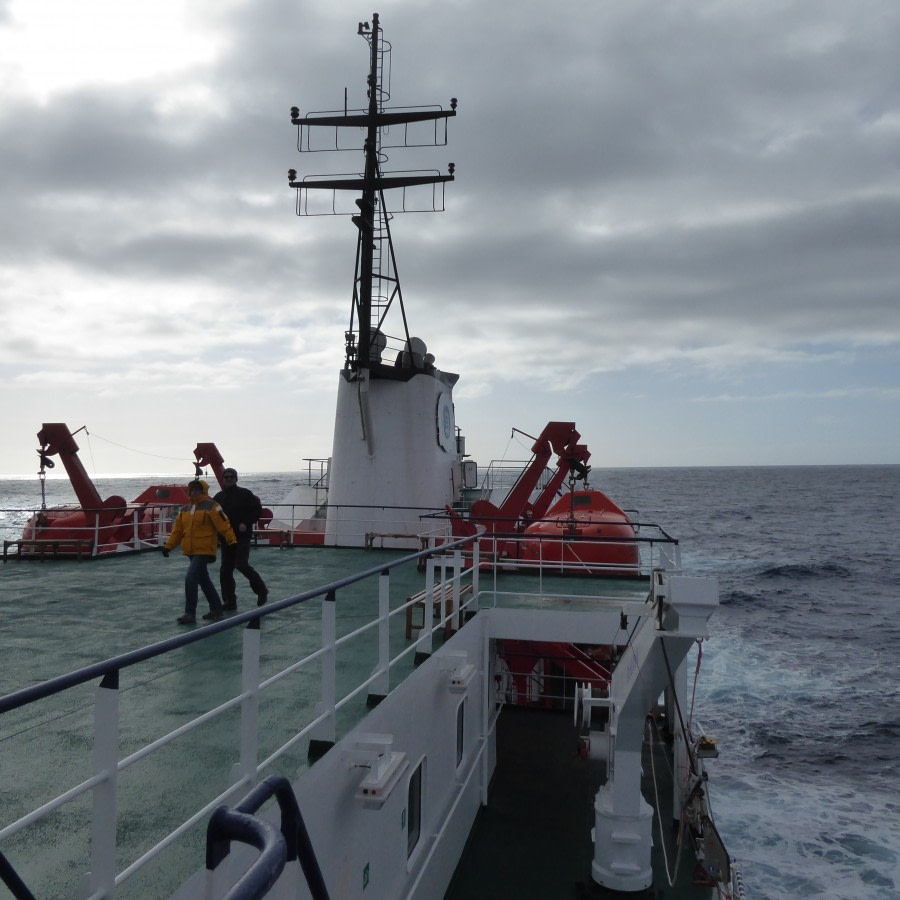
{"x": 197, "y": 577}
{"x": 238, "y": 557}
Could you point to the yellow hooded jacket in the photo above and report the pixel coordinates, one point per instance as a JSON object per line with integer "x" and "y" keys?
{"x": 198, "y": 526}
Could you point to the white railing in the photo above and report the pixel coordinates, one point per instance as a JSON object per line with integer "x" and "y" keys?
{"x": 148, "y": 527}
{"x": 69, "y": 531}
{"x": 542, "y": 555}
{"x": 336, "y": 696}
{"x": 107, "y": 814}
{"x": 500, "y": 476}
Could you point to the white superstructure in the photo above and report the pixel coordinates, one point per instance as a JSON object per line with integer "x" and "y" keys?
{"x": 394, "y": 459}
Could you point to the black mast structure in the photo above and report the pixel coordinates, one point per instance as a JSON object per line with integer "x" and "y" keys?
{"x": 376, "y": 284}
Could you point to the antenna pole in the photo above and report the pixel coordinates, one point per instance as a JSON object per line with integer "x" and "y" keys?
{"x": 376, "y": 285}
{"x": 366, "y": 219}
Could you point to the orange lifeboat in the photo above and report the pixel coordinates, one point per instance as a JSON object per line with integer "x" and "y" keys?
{"x": 584, "y": 533}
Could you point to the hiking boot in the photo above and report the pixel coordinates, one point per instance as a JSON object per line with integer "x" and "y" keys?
{"x": 229, "y": 607}
{"x": 213, "y": 614}
{"x": 186, "y": 620}
{"x": 261, "y": 599}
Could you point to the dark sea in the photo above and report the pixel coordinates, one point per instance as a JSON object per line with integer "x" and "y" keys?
{"x": 798, "y": 682}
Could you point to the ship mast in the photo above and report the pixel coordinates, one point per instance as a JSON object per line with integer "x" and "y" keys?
{"x": 376, "y": 283}
{"x": 365, "y": 222}
{"x": 396, "y": 454}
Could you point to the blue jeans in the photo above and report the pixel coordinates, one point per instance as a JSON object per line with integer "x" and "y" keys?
{"x": 197, "y": 576}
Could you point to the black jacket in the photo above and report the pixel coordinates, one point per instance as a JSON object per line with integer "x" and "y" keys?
{"x": 241, "y": 506}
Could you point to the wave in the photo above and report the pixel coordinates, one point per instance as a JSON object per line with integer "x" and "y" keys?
{"x": 738, "y": 598}
{"x": 807, "y": 570}
{"x": 877, "y": 741}
{"x": 792, "y": 744}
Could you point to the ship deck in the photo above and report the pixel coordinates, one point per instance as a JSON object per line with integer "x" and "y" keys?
{"x": 528, "y": 841}
{"x": 533, "y": 839}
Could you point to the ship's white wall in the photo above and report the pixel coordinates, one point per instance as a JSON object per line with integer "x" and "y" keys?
{"x": 421, "y": 716}
{"x": 353, "y": 842}
{"x": 412, "y": 464}
{"x": 363, "y": 851}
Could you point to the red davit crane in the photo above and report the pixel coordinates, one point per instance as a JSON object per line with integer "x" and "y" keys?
{"x": 94, "y": 526}
{"x": 582, "y": 532}
{"x": 557, "y": 437}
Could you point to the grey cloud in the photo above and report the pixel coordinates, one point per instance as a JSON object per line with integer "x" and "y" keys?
{"x": 697, "y": 176}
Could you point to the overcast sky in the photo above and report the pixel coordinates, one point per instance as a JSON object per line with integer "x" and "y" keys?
{"x": 675, "y": 223}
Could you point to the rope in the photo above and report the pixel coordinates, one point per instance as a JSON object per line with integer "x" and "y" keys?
{"x": 87, "y": 434}
{"x": 142, "y": 452}
{"x": 506, "y": 448}
{"x": 670, "y": 876}
{"x": 696, "y": 677}
{"x": 687, "y": 735}
{"x": 688, "y": 742}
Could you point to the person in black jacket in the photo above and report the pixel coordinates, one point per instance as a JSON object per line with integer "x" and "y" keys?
{"x": 243, "y": 509}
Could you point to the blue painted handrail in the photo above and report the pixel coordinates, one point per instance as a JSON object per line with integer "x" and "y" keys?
{"x": 292, "y": 843}
{"x": 251, "y": 619}
{"x": 10, "y": 877}
{"x": 228, "y": 825}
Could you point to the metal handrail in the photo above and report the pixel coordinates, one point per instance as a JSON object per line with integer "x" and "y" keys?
{"x": 147, "y": 527}
{"x": 448, "y": 563}
{"x": 124, "y": 660}
{"x": 230, "y": 824}
{"x": 241, "y": 824}
{"x": 10, "y": 877}
{"x": 108, "y": 766}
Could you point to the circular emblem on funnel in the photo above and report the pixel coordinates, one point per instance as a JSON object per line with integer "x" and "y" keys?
{"x": 446, "y": 427}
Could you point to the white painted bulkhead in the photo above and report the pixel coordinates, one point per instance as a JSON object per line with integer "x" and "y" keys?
{"x": 368, "y": 854}
{"x": 394, "y": 458}
{"x": 364, "y": 851}
{"x": 442, "y": 718}
{"x": 375, "y": 861}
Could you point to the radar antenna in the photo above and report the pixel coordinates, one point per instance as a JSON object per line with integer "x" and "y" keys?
{"x": 376, "y": 284}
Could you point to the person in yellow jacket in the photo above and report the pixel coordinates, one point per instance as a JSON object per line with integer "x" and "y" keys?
{"x": 197, "y": 528}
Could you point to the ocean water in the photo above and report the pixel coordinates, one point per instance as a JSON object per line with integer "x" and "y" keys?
{"x": 798, "y": 682}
